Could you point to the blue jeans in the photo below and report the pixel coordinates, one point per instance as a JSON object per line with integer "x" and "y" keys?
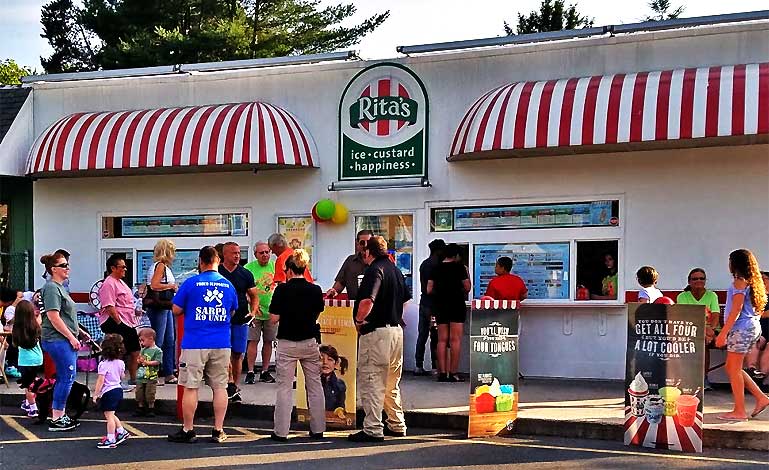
{"x": 162, "y": 322}
{"x": 65, "y": 359}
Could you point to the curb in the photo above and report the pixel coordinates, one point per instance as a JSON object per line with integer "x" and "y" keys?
{"x": 712, "y": 438}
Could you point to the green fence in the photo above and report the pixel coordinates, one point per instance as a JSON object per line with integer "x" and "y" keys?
{"x": 14, "y": 270}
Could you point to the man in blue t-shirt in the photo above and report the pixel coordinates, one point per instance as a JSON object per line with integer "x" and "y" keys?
{"x": 207, "y": 302}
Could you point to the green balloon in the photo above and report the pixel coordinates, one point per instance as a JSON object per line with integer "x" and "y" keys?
{"x": 325, "y": 208}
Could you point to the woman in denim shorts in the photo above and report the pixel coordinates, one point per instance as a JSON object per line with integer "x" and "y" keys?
{"x": 741, "y": 329}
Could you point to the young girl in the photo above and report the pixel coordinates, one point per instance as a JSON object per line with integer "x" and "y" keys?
{"x": 26, "y": 336}
{"x": 108, "y": 390}
{"x": 741, "y": 330}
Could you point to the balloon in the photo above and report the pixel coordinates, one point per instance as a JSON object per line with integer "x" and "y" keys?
{"x": 340, "y": 214}
{"x": 315, "y": 215}
{"x": 665, "y": 300}
{"x": 325, "y": 208}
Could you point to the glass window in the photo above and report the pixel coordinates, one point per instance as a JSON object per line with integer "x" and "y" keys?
{"x": 300, "y": 233}
{"x": 597, "y": 270}
{"x": 544, "y": 267}
{"x": 398, "y": 230}
{"x": 202, "y": 225}
{"x": 128, "y": 254}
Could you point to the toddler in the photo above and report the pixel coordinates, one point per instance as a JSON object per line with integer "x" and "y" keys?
{"x": 150, "y": 359}
{"x": 108, "y": 391}
{"x": 647, "y": 277}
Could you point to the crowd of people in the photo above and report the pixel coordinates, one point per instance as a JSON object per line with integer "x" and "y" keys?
{"x": 229, "y": 308}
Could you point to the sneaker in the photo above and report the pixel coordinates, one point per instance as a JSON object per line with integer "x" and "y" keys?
{"x": 707, "y": 387}
{"x": 361, "y": 436}
{"x": 456, "y": 378}
{"x": 316, "y": 435}
{"x": 266, "y": 377}
{"x": 127, "y": 387}
{"x": 32, "y": 413}
{"x": 250, "y": 378}
{"x": 150, "y": 413}
{"x": 389, "y": 432}
{"x": 62, "y": 424}
{"x": 232, "y": 391}
{"x": 12, "y": 372}
{"x": 275, "y": 437}
{"x": 218, "y": 436}
{"x": 443, "y": 377}
{"x": 139, "y": 412}
{"x": 25, "y": 405}
{"x": 183, "y": 436}
{"x": 420, "y": 372}
{"x": 122, "y": 437}
{"x": 105, "y": 443}
{"x": 237, "y": 398}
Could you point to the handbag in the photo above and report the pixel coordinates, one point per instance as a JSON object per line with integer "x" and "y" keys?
{"x": 158, "y": 299}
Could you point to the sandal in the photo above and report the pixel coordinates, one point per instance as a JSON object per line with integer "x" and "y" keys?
{"x": 759, "y": 411}
{"x": 172, "y": 380}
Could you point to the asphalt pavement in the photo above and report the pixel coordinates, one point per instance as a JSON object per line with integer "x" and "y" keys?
{"x": 24, "y": 445}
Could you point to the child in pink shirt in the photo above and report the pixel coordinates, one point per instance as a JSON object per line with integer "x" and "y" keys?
{"x": 108, "y": 391}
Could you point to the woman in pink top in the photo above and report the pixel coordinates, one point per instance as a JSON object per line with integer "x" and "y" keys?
{"x": 117, "y": 313}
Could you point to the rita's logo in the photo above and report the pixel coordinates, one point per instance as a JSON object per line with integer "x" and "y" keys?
{"x": 383, "y": 108}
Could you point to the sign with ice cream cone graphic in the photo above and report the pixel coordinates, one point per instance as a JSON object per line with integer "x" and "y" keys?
{"x": 493, "y": 367}
{"x": 664, "y": 376}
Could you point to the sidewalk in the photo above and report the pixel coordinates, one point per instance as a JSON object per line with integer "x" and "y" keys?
{"x": 567, "y": 408}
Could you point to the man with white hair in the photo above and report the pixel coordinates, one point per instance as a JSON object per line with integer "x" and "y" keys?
{"x": 263, "y": 269}
{"x": 279, "y": 245}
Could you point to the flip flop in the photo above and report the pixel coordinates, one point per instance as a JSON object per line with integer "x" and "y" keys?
{"x": 759, "y": 411}
{"x": 734, "y": 420}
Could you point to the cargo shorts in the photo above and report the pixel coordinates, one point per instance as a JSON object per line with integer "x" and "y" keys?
{"x": 199, "y": 365}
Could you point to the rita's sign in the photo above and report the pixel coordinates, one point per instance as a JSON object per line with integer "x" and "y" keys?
{"x": 383, "y": 123}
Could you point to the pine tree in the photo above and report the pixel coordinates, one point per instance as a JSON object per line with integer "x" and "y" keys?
{"x": 553, "y": 15}
{"x": 660, "y": 11}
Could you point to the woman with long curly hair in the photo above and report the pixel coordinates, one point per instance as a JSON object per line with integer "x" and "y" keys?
{"x": 744, "y": 299}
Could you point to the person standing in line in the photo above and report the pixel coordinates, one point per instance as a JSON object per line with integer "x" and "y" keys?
{"x": 505, "y": 285}
{"x": 741, "y": 329}
{"x": 150, "y": 359}
{"x": 378, "y": 313}
{"x": 352, "y": 269}
{"x": 160, "y": 278}
{"x": 108, "y": 392}
{"x": 757, "y": 360}
{"x": 207, "y": 302}
{"x": 248, "y": 308}
{"x": 647, "y": 278}
{"x": 26, "y": 335}
{"x": 427, "y": 327}
{"x": 117, "y": 314}
{"x": 696, "y": 294}
{"x": 66, "y": 255}
{"x": 295, "y": 308}
{"x": 450, "y": 284}
{"x": 59, "y": 340}
{"x": 279, "y": 245}
{"x": 263, "y": 270}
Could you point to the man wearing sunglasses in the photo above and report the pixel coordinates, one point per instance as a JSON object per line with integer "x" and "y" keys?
{"x": 352, "y": 269}
{"x": 263, "y": 269}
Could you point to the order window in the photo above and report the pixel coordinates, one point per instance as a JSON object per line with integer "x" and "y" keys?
{"x": 398, "y": 230}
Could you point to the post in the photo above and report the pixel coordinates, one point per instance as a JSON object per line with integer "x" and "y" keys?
{"x": 179, "y": 387}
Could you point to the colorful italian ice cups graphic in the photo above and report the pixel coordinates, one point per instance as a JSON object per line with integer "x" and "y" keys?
{"x": 654, "y": 409}
{"x": 670, "y": 395}
{"x": 687, "y": 409}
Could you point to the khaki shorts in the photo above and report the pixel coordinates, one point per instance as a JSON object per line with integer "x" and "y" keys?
{"x": 209, "y": 364}
{"x": 259, "y": 327}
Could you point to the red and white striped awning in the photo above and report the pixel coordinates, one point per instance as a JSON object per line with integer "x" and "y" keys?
{"x": 199, "y": 138}
{"x": 595, "y": 114}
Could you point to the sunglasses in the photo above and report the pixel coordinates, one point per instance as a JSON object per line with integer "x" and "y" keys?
{"x": 696, "y": 278}
{"x": 121, "y": 266}
{"x": 62, "y": 265}
{"x": 266, "y": 252}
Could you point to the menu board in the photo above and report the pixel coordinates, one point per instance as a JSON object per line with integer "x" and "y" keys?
{"x": 185, "y": 265}
{"x": 570, "y": 214}
{"x": 544, "y": 267}
{"x": 299, "y": 232}
{"x": 184, "y": 226}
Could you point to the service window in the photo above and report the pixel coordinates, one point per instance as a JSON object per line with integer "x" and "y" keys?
{"x": 398, "y": 230}
{"x": 597, "y": 270}
{"x": 128, "y": 255}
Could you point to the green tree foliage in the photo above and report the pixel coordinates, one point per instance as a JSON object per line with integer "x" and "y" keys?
{"x": 553, "y": 15}
{"x": 11, "y": 72}
{"x": 661, "y": 11}
{"x": 142, "y": 33}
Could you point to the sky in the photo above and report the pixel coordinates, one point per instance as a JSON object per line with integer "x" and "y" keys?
{"x": 411, "y": 22}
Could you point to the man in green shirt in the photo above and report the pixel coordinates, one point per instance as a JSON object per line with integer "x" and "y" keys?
{"x": 263, "y": 269}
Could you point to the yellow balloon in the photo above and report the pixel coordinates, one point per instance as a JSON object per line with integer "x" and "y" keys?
{"x": 340, "y": 214}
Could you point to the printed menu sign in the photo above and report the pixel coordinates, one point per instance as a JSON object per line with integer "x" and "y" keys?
{"x": 493, "y": 367}
{"x": 338, "y": 366}
{"x": 664, "y": 376}
{"x": 544, "y": 267}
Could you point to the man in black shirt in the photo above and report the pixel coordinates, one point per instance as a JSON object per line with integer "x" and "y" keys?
{"x": 427, "y": 326}
{"x": 245, "y": 287}
{"x": 378, "y": 313}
